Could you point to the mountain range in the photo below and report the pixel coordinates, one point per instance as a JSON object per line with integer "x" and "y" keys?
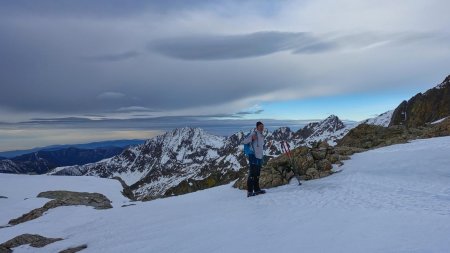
{"x": 43, "y": 161}
{"x": 188, "y": 159}
{"x": 91, "y": 145}
{"x": 192, "y": 159}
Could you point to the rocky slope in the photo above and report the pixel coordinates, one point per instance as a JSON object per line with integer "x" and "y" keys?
{"x": 424, "y": 108}
{"x": 371, "y": 136}
{"x": 423, "y": 116}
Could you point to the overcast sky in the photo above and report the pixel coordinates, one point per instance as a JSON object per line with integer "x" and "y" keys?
{"x": 220, "y": 60}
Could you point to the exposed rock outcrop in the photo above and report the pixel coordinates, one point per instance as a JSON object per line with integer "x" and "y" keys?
{"x": 424, "y": 108}
{"x": 370, "y": 136}
{"x": 64, "y": 198}
{"x": 75, "y": 249}
{"x": 34, "y": 240}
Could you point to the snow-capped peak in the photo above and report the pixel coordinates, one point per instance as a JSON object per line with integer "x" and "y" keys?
{"x": 194, "y": 137}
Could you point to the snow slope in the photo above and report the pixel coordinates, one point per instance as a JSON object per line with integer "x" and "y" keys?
{"x": 392, "y": 199}
{"x": 383, "y": 119}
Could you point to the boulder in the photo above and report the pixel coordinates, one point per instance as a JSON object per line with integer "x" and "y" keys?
{"x": 312, "y": 173}
{"x": 64, "y": 198}
{"x": 34, "y": 240}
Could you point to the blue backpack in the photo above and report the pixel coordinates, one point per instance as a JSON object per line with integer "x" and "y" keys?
{"x": 248, "y": 149}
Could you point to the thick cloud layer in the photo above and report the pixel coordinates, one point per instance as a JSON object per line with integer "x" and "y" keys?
{"x": 156, "y": 58}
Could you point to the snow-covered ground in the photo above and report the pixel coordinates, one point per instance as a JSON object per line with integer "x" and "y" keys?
{"x": 392, "y": 199}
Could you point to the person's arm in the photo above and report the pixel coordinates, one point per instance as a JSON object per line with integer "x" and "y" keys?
{"x": 250, "y": 138}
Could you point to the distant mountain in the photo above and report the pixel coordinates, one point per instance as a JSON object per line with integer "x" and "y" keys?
{"x": 189, "y": 159}
{"x": 163, "y": 162}
{"x": 330, "y": 130}
{"x": 43, "y": 161}
{"x": 92, "y": 145}
{"x": 424, "y": 108}
{"x": 423, "y": 116}
{"x": 383, "y": 119}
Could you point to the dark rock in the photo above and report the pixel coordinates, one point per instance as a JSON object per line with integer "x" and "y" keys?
{"x": 4, "y": 249}
{"x": 430, "y": 106}
{"x": 324, "y": 165}
{"x": 68, "y": 198}
{"x": 312, "y": 173}
{"x": 3, "y": 197}
{"x": 127, "y": 192}
{"x": 64, "y": 198}
{"x": 369, "y": 136}
{"x": 325, "y": 173}
{"x": 75, "y": 249}
{"x": 128, "y": 205}
{"x": 345, "y": 152}
{"x": 334, "y": 158}
{"x": 192, "y": 185}
{"x": 34, "y": 240}
{"x": 319, "y": 154}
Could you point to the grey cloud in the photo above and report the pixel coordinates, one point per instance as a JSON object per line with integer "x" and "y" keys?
{"x": 111, "y": 95}
{"x": 210, "y": 123}
{"x": 224, "y": 47}
{"x": 94, "y": 115}
{"x": 318, "y": 47}
{"x": 250, "y": 113}
{"x": 56, "y": 120}
{"x": 43, "y": 71}
{"x": 112, "y": 57}
{"x": 118, "y": 8}
{"x": 136, "y": 109}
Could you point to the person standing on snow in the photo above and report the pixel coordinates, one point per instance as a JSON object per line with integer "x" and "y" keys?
{"x": 256, "y": 159}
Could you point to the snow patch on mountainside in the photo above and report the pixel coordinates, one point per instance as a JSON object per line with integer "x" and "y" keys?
{"x": 438, "y": 121}
{"x": 382, "y": 120}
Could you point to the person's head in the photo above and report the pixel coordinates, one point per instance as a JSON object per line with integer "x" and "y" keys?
{"x": 259, "y": 126}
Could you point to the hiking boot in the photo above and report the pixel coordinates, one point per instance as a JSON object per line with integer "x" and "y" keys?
{"x": 250, "y": 194}
{"x": 260, "y": 192}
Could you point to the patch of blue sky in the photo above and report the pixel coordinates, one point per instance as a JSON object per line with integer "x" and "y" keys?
{"x": 358, "y": 106}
